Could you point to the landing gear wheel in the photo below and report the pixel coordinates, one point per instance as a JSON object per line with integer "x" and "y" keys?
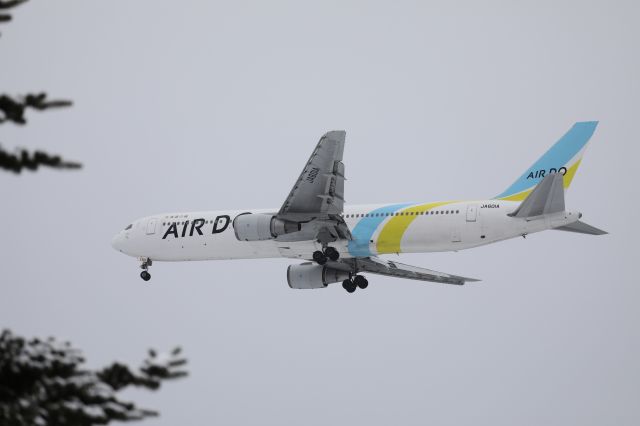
{"x": 361, "y": 281}
{"x": 319, "y": 257}
{"x": 349, "y": 286}
{"x": 332, "y": 253}
{"x": 145, "y": 275}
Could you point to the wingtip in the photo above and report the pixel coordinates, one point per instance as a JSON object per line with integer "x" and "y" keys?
{"x": 338, "y": 135}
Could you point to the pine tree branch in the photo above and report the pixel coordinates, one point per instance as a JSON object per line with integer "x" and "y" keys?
{"x": 42, "y": 382}
{"x": 23, "y": 160}
{"x": 14, "y": 108}
{"x": 8, "y": 4}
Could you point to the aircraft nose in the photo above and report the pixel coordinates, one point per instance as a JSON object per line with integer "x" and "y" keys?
{"x": 116, "y": 241}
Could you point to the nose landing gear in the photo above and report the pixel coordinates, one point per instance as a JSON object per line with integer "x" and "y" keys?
{"x": 146, "y": 262}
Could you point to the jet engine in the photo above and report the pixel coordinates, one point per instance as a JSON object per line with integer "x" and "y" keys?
{"x": 260, "y": 227}
{"x": 311, "y": 275}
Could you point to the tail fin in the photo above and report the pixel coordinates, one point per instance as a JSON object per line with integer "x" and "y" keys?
{"x": 564, "y": 157}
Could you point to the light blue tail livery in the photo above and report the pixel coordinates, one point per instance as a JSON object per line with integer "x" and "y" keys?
{"x": 563, "y": 157}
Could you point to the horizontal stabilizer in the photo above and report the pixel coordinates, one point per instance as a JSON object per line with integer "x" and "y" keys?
{"x": 581, "y": 228}
{"x": 546, "y": 198}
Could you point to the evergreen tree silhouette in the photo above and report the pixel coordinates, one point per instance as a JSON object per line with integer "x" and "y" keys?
{"x": 43, "y": 382}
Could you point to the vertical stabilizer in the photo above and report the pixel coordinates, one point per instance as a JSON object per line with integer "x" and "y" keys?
{"x": 563, "y": 157}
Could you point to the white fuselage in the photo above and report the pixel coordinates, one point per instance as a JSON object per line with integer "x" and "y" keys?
{"x": 376, "y": 229}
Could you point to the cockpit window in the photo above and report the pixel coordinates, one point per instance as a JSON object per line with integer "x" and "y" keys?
{"x": 128, "y": 227}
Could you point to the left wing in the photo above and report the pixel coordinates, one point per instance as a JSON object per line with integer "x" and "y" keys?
{"x": 317, "y": 198}
{"x": 319, "y": 190}
{"x": 375, "y": 265}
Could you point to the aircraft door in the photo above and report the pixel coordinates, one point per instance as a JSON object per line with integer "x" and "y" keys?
{"x": 472, "y": 212}
{"x": 151, "y": 226}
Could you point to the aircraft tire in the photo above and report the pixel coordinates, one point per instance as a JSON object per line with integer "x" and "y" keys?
{"x": 332, "y": 253}
{"x": 319, "y": 257}
{"x": 349, "y": 286}
{"x": 145, "y": 275}
{"x": 361, "y": 281}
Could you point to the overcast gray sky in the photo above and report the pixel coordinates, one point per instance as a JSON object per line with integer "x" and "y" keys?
{"x": 201, "y": 105}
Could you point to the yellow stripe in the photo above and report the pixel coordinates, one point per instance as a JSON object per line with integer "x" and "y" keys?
{"x": 393, "y": 231}
{"x": 571, "y": 172}
{"x": 568, "y": 177}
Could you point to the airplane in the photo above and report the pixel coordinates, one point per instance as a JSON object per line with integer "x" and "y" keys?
{"x": 339, "y": 242}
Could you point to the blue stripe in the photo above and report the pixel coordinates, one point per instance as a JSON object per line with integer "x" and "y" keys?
{"x": 557, "y": 156}
{"x": 366, "y": 227}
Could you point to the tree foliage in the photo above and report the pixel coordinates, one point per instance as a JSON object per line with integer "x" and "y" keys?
{"x": 8, "y": 4}
{"x": 43, "y": 383}
{"x": 12, "y": 110}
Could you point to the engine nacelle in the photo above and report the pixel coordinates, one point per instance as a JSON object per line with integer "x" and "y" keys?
{"x": 311, "y": 275}
{"x": 260, "y": 227}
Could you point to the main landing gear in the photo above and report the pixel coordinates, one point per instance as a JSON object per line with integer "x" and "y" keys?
{"x": 146, "y": 262}
{"x": 329, "y": 253}
{"x": 351, "y": 284}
